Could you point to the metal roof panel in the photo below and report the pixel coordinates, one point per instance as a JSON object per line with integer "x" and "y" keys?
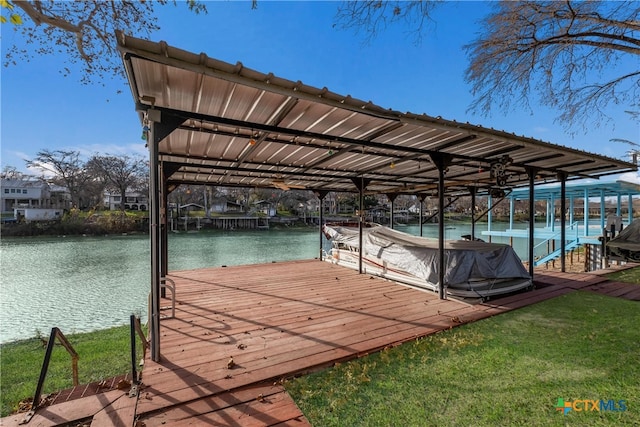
{"x": 243, "y": 127}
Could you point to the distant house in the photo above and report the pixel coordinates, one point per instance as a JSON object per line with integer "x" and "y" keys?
{"x": 185, "y": 210}
{"x": 378, "y": 213}
{"x": 134, "y": 201}
{"x": 24, "y": 193}
{"x": 37, "y": 214}
{"x": 222, "y": 205}
{"x": 264, "y": 207}
{"x": 60, "y": 197}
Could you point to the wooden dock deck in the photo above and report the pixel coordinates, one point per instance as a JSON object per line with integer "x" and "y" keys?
{"x": 238, "y": 331}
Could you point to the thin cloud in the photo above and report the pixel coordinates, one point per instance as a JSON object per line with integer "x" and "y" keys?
{"x": 632, "y": 177}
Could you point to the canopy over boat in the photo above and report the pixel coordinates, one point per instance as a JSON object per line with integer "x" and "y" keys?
{"x": 473, "y": 268}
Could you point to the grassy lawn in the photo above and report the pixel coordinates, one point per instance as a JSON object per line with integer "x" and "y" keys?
{"x": 102, "y": 354}
{"x": 504, "y": 371}
{"x": 631, "y": 275}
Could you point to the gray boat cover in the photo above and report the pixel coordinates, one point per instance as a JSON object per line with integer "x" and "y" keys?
{"x": 465, "y": 261}
{"x": 627, "y": 243}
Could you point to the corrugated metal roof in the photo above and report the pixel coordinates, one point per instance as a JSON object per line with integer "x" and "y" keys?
{"x": 232, "y": 126}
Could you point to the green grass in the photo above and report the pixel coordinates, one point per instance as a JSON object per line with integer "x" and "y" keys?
{"x": 631, "y": 275}
{"x": 102, "y": 354}
{"x": 504, "y": 371}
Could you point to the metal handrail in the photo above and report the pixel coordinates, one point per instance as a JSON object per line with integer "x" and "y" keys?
{"x": 558, "y": 234}
{"x": 136, "y": 328}
{"x": 55, "y": 333}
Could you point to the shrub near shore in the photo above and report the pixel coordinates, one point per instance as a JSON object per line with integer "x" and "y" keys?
{"x": 77, "y": 222}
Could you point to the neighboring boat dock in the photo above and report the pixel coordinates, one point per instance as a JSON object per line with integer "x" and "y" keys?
{"x": 587, "y": 219}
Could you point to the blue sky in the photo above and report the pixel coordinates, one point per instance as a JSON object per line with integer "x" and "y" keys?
{"x": 294, "y": 40}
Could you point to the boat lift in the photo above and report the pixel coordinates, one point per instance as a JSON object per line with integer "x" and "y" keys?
{"x": 595, "y": 223}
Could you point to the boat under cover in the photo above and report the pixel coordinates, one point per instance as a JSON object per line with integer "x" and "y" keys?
{"x": 626, "y": 245}
{"x": 472, "y": 268}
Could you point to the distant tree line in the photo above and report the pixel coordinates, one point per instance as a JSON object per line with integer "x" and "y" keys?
{"x": 87, "y": 181}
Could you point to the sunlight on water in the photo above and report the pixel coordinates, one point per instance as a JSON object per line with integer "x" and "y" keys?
{"x": 80, "y": 284}
{"x": 77, "y": 284}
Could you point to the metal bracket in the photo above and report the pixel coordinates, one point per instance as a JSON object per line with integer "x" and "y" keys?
{"x": 499, "y": 170}
{"x": 134, "y": 390}
{"x": 27, "y": 417}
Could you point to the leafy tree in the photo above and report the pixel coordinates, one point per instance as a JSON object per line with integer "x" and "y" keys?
{"x": 14, "y": 17}
{"x": 121, "y": 173}
{"x": 64, "y": 168}
{"x": 81, "y": 31}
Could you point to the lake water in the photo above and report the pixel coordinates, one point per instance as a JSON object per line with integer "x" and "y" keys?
{"x": 80, "y": 284}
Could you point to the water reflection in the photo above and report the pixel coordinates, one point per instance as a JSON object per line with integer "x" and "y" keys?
{"x": 85, "y": 283}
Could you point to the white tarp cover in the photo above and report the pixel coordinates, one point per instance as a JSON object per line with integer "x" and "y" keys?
{"x": 465, "y": 261}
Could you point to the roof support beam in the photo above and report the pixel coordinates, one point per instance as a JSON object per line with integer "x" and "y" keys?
{"x": 421, "y": 197}
{"x": 166, "y": 124}
{"x": 307, "y": 134}
{"x": 442, "y": 161}
{"x": 531, "y": 172}
{"x": 562, "y": 177}
{"x": 169, "y": 168}
{"x": 392, "y": 198}
{"x": 361, "y": 184}
{"x": 472, "y": 191}
{"x": 155, "y": 238}
{"x": 320, "y": 194}
{"x": 286, "y": 108}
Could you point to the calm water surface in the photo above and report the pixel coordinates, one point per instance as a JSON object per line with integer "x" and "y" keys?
{"x": 81, "y": 284}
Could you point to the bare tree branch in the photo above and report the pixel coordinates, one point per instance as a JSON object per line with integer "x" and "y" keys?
{"x": 82, "y": 32}
{"x": 67, "y": 169}
{"x": 562, "y": 53}
{"x": 119, "y": 172}
{"x": 374, "y": 16}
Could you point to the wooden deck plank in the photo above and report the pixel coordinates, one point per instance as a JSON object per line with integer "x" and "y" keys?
{"x": 380, "y": 314}
{"x": 572, "y": 280}
{"x": 307, "y": 354}
{"x": 617, "y": 289}
{"x": 294, "y": 314}
{"x": 614, "y": 289}
{"x": 634, "y": 295}
{"x": 317, "y": 323}
{"x": 67, "y": 412}
{"x": 516, "y": 301}
{"x": 251, "y": 406}
{"x": 278, "y": 320}
{"x": 119, "y": 413}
